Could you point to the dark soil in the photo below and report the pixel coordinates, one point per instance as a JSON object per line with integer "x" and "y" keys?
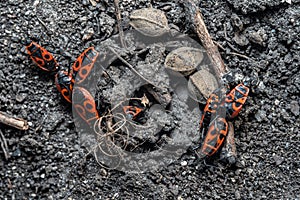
{"x": 49, "y": 162}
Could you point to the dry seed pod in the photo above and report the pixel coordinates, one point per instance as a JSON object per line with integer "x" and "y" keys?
{"x": 149, "y": 21}
{"x": 201, "y": 85}
{"x": 184, "y": 60}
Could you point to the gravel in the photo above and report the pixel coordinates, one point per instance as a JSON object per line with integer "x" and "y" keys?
{"x": 48, "y": 161}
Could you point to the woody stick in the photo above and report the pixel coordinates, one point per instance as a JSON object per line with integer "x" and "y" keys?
{"x": 196, "y": 18}
{"x": 13, "y": 121}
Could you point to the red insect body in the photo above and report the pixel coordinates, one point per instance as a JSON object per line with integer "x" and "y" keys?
{"x": 80, "y": 70}
{"x": 235, "y": 100}
{"x": 85, "y": 105}
{"x": 42, "y": 57}
{"x": 83, "y": 65}
{"x": 64, "y": 85}
{"x": 215, "y": 136}
{"x": 217, "y": 126}
{"x": 132, "y": 111}
{"x": 210, "y": 108}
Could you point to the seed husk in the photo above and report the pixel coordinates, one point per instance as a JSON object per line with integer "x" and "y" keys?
{"x": 201, "y": 85}
{"x": 184, "y": 60}
{"x": 149, "y": 21}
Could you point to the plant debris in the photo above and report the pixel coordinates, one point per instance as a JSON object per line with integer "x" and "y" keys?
{"x": 149, "y": 21}
{"x": 13, "y": 121}
{"x": 201, "y": 84}
{"x": 184, "y": 60}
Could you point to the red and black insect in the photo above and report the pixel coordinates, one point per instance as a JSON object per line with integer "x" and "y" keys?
{"x": 83, "y": 65}
{"x": 64, "y": 85}
{"x": 64, "y": 81}
{"x": 236, "y": 99}
{"x": 80, "y": 70}
{"x": 217, "y": 102}
{"x": 213, "y": 123}
{"x": 215, "y": 136}
{"x": 85, "y": 105}
{"x": 214, "y": 106}
{"x": 209, "y": 109}
{"x": 132, "y": 111}
{"x": 42, "y": 57}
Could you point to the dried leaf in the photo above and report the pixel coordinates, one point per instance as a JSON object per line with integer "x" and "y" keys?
{"x": 149, "y": 21}
{"x": 184, "y": 60}
{"x": 144, "y": 100}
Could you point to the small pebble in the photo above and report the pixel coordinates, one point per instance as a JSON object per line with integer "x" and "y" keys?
{"x": 294, "y": 108}
{"x": 103, "y": 172}
{"x": 20, "y": 97}
{"x": 183, "y": 163}
{"x": 260, "y": 115}
{"x": 278, "y": 160}
{"x": 88, "y": 34}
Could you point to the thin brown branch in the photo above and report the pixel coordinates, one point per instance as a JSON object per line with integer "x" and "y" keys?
{"x": 4, "y": 146}
{"x": 119, "y": 19}
{"x": 196, "y": 18}
{"x": 233, "y": 53}
{"x": 13, "y": 121}
{"x": 240, "y": 55}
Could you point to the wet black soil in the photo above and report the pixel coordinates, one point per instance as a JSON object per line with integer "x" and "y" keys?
{"x": 49, "y": 162}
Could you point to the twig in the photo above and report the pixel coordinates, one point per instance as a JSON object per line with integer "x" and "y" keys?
{"x": 230, "y": 144}
{"x": 4, "y": 146}
{"x": 233, "y": 53}
{"x": 9, "y": 184}
{"x": 43, "y": 23}
{"x": 40, "y": 124}
{"x": 212, "y": 50}
{"x": 102, "y": 165}
{"x": 240, "y": 55}
{"x": 219, "y": 45}
{"x": 225, "y": 32}
{"x": 118, "y": 15}
{"x": 13, "y": 121}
